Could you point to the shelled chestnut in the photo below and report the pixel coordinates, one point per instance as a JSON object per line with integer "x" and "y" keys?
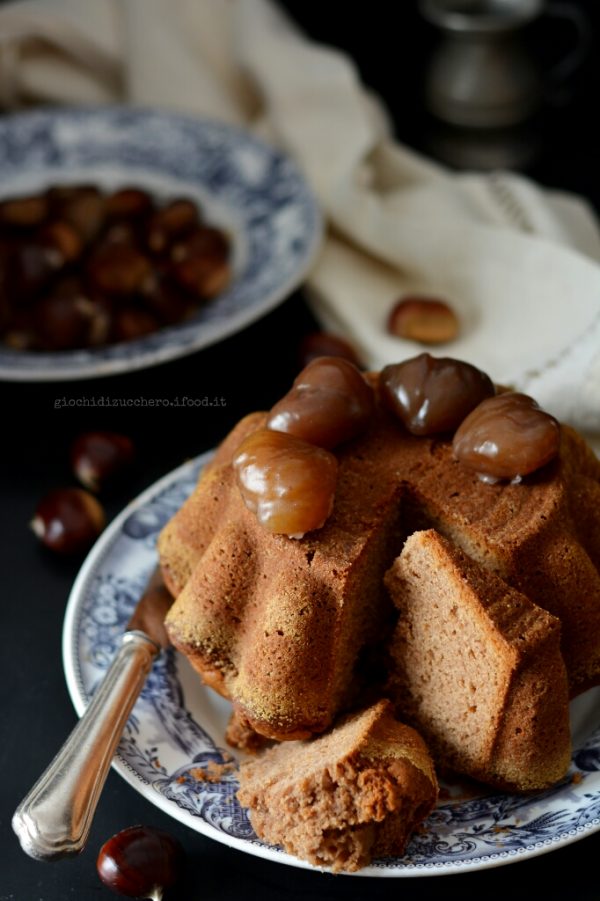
{"x": 81, "y": 267}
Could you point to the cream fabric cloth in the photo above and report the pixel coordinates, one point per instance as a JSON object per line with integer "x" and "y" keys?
{"x": 518, "y": 263}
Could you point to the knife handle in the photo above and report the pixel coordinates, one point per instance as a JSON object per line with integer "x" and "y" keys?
{"x": 54, "y": 819}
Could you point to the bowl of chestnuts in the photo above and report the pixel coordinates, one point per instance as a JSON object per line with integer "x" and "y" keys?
{"x": 132, "y": 237}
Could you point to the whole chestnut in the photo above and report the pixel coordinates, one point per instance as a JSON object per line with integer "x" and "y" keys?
{"x": 287, "y": 483}
{"x": 329, "y": 403}
{"x": 140, "y": 862}
{"x": 431, "y": 395}
{"x": 325, "y": 344}
{"x": 507, "y": 437}
{"x": 68, "y": 520}
{"x": 97, "y": 457}
{"x": 428, "y": 320}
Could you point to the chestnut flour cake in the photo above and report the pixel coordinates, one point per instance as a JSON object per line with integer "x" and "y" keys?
{"x": 342, "y": 798}
{"x": 477, "y": 668}
{"x": 485, "y": 625}
{"x": 277, "y": 624}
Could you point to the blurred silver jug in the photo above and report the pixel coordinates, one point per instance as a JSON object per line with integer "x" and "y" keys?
{"x": 482, "y": 75}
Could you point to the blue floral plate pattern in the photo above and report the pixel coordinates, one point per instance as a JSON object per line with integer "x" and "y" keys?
{"x": 176, "y": 730}
{"x": 251, "y": 190}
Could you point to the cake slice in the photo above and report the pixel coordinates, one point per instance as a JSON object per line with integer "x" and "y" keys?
{"x": 339, "y": 800}
{"x": 476, "y": 667}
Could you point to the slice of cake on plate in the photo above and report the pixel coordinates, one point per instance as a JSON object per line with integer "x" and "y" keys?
{"x": 477, "y": 668}
{"x": 339, "y": 800}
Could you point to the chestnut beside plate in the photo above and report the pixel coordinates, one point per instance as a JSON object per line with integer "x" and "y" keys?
{"x": 250, "y": 190}
{"x": 177, "y": 728}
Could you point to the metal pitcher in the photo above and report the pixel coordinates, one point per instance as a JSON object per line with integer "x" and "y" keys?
{"x": 481, "y": 75}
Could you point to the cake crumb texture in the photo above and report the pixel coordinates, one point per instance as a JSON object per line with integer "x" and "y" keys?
{"x": 341, "y": 799}
{"x": 477, "y": 668}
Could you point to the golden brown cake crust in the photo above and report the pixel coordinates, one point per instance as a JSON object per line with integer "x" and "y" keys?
{"x": 276, "y": 624}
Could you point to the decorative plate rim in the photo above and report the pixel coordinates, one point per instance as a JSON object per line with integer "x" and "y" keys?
{"x": 171, "y": 342}
{"x": 95, "y": 559}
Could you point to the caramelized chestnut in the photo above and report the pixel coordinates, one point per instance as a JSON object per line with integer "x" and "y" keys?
{"x": 200, "y": 263}
{"x": 23, "y": 212}
{"x": 164, "y": 299}
{"x": 138, "y": 267}
{"x": 171, "y": 222}
{"x": 19, "y": 339}
{"x": 68, "y": 520}
{"x": 82, "y": 206}
{"x": 63, "y": 239}
{"x": 97, "y": 457}
{"x": 118, "y": 268}
{"x": 329, "y": 402}
{"x": 140, "y": 862}
{"x": 205, "y": 241}
{"x": 121, "y": 232}
{"x": 131, "y": 323}
{"x": 128, "y": 203}
{"x": 507, "y": 437}
{"x": 64, "y": 318}
{"x": 31, "y": 268}
{"x": 325, "y": 344}
{"x": 288, "y": 483}
{"x": 432, "y": 395}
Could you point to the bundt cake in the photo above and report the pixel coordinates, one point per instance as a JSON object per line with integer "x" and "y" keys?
{"x": 277, "y": 624}
{"x": 342, "y": 798}
{"x": 476, "y": 668}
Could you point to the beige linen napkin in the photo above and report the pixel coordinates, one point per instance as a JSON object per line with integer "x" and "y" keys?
{"x": 519, "y": 263}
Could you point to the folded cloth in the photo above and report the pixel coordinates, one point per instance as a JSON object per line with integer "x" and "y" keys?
{"x": 518, "y": 263}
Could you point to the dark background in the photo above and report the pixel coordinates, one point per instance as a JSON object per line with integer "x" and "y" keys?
{"x": 390, "y": 44}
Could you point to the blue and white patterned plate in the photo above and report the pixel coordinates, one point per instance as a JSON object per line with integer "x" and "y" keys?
{"x": 254, "y": 192}
{"x": 177, "y": 727}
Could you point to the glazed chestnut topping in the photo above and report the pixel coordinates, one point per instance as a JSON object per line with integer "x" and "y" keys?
{"x": 140, "y": 862}
{"x": 97, "y": 457}
{"x": 68, "y": 520}
{"x": 324, "y": 344}
{"x": 433, "y": 395}
{"x": 507, "y": 437}
{"x": 288, "y": 483}
{"x": 330, "y": 402}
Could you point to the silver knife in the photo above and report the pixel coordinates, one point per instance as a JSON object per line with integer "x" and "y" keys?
{"x": 54, "y": 818}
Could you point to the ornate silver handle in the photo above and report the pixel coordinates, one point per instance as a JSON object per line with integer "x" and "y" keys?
{"x": 54, "y": 819}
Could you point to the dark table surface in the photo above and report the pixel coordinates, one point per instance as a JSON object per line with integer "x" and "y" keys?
{"x": 250, "y": 371}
